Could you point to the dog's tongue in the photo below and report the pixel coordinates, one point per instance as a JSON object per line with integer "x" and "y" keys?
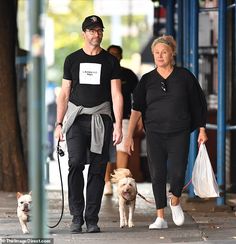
{"x": 126, "y": 195}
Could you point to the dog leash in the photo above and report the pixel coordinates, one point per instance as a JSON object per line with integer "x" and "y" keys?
{"x": 152, "y": 202}
{"x": 186, "y": 186}
{"x": 145, "y": 199}
{"x": 60, "y": 153}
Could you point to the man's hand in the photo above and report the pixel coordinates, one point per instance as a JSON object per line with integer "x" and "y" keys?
{"x": 58, "y": 133}
{"x": 117, "y": 135}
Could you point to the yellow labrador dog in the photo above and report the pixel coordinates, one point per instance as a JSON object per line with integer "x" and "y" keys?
{"x": 23, "y": 209}
{"x": 126, "y": 191}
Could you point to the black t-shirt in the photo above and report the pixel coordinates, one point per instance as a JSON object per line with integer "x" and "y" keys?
{"x": 129, "y": 81}
{"x": 181, "y": 107}
{"x": 91, "y": 77}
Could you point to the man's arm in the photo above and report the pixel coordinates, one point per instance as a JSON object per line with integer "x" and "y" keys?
{"x": 62, "y": 103}
{"x": 117, "y": 100}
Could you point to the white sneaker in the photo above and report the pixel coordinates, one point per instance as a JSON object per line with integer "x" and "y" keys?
{"x": 158, "y": 224}
{"x": 108, "y": 189}
{"x": 177, "y": 214}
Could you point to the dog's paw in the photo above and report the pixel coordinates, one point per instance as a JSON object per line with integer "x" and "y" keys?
{"x": 25, "y": 231}
{"x": 130, "y": 224}
{"x": 123, "y": 223}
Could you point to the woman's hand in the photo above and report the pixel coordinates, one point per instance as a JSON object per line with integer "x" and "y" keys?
{"x": 202, "y": 137}
{"x": 129, "y": 145}
{"x": 133, "y": 121}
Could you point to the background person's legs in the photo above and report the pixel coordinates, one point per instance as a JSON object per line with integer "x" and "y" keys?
{"x": 108, "y": 186}
{"x": 122, "y": 160}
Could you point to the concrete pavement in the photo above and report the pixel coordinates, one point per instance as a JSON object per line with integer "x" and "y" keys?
{"x": 204, "y": 222}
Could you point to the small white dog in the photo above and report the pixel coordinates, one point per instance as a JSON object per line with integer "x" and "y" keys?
{"x": 23, "y": 209}
{"x": 126, "y": 191}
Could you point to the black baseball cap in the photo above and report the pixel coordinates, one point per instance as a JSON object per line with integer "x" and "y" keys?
{"x": 92, "y": 21}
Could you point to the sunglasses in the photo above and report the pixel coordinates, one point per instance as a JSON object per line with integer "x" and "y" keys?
{"x": 94, "y": 31}
{"x": 163, "y": 86}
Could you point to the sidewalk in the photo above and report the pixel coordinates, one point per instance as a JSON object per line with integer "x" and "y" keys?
{"x": 204, "y": 222}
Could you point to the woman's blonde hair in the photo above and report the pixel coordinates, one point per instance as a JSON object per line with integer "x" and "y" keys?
{"x": 168, "y": 40}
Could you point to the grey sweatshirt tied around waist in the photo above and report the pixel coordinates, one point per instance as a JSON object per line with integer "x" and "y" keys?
{"x": 97, "y": 126}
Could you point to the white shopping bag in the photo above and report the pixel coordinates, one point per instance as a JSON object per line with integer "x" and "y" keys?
{"x": 203, "y": 177}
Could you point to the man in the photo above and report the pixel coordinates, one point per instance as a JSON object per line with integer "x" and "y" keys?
{"x": 90, "y": 82}
{"x": 129, "y": 81}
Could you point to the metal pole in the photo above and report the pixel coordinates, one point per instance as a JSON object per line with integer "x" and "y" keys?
{"x": 179, "y": 33}
{"x": 186, "y": 30}
{"x": 194, "y": 8}
{"x": 186, "y": 51}
{"x": 36, "y": 105}
{"x": 221, "y": 121}
{"x": 170, "y": 18}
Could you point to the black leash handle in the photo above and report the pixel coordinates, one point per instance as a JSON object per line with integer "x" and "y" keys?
{"x": 59, "y": 153}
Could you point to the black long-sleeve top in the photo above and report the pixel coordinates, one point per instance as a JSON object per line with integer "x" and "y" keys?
{"x": 183, "y": 106}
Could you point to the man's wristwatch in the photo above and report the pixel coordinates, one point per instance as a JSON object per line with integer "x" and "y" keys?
{"x": 58, "y": 123}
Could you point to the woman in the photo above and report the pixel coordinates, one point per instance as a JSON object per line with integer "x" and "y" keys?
{"x": 172, "y": 105}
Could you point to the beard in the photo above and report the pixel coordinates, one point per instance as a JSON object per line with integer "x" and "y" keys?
{"x": 95, "y": 41}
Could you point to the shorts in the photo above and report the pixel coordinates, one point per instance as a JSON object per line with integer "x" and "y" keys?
{"x": 121, "y": 146}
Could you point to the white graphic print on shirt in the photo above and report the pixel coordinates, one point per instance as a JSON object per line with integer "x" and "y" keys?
{"x": 90, "y": 73}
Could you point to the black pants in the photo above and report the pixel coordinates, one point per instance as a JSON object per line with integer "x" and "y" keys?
{"x": 78, "y": 142}
{"x": 167, "y": 155}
